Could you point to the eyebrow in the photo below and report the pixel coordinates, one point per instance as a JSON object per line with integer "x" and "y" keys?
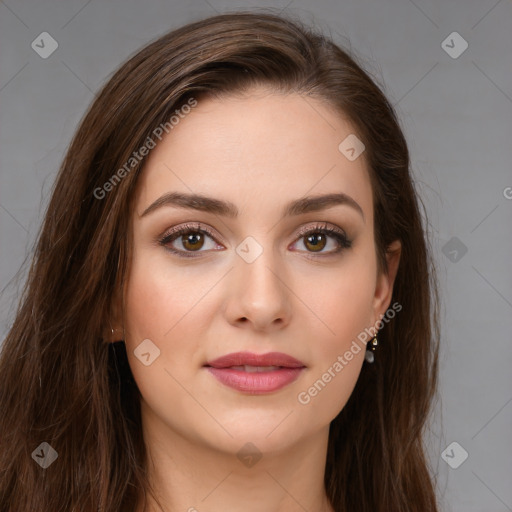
{"x": 228, "y": 209}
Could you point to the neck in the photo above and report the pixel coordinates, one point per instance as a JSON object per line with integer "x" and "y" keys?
{"x": 190, "y": 475}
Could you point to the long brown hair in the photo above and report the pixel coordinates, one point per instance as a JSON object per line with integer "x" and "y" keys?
{"x": 62, "y": 384}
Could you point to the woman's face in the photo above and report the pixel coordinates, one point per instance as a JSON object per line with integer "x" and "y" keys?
{"x": 263, "y": 278}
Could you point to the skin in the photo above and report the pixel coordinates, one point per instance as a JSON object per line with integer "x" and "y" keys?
{"x": 258, "y": 151}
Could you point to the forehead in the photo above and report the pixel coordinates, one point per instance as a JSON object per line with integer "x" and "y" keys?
{"x": 259, "y": 149}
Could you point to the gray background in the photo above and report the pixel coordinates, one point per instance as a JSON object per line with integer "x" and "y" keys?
{"x": 457, "y": 116}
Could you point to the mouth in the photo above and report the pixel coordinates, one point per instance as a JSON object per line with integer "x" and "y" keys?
{"x": 256, "y": 374}
{"x": 255, "y": 369}
{"x": 271, "y": 360}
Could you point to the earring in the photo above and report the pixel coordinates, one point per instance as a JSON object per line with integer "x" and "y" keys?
{"x": 369, "y": 356}
{"x": 113, "y": 331}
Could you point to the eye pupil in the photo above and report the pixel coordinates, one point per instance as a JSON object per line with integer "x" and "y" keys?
{"x": 193, "y": 239}
{"x": 314, "y": 239}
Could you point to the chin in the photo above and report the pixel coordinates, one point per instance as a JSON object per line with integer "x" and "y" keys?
{"x": 264, "y": 436}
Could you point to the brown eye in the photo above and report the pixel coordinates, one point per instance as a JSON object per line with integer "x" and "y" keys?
{"x": 315, "y": 242}
{"x": 192, "y": 241}
{"x": 323, "y": 240}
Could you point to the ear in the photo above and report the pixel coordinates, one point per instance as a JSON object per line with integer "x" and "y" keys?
{"x": 385, "y": 281}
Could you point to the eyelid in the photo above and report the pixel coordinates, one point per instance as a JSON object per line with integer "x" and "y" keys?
{"x": 318, "y": 227}
{"x": 188, "y": 226}
{"x": 331, "y": 230}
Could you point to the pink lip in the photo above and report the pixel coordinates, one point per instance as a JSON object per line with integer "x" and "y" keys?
{"x": 256, "y": 382}
{"x": 251, "y": 359}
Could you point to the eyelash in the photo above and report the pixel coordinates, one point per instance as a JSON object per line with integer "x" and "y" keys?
{"x": 171, "y": 236}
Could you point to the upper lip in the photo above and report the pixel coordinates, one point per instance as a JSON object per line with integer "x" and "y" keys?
{"x": 251, "y": 359}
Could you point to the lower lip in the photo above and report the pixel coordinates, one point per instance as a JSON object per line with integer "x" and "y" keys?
{"x": 255, "y": 383}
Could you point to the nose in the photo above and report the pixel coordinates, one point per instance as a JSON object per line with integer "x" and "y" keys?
{"x": 258, "y": 296}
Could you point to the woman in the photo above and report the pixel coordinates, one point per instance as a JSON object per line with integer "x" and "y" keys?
{"x": 232, "y": 303}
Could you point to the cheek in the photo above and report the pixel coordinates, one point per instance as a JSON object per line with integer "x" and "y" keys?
{"x": 158, "y": 307}
{"x": 160, "y": 299}
{"x": 149, "y": 305}
{"x": 156, "y": 310}
{"x": 343, "y": 304}
{"x": 338, "y": 354}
